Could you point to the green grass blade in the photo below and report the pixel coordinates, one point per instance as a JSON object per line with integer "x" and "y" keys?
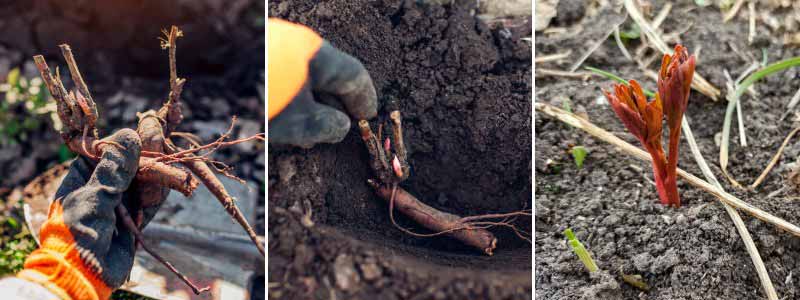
{"x": 736, "y": 95}
{"x": 616, "y": 78}
{"x": 764, "y": 72}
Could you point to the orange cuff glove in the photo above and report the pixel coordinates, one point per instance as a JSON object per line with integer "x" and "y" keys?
{"x": 85, "y": 252}
{"x": 291, "y": 48}
{"x": 57, "y": 264}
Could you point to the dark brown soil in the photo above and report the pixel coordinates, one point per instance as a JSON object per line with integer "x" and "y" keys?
{"x": 689, "y": 253}
{"x": 464, "y": 89}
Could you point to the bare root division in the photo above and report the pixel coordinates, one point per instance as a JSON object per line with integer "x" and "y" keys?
{"x": 157, "y": 165}
{"x": 389, "y": 162}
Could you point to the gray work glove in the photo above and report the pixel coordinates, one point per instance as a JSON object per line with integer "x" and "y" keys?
{"x": 305, "y": 122}
{"x": 89, "y": 194}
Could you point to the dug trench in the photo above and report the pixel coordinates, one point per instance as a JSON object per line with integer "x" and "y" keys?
{"x": 463, "y": 87}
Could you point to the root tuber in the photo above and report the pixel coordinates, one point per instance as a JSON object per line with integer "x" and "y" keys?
{"x": 433, "y": 219}
{"x": 150, "y": 170}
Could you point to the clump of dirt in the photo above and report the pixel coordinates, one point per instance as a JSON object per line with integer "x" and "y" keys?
{"x": 689, "y": 253}
{"x": 465, "y": 93}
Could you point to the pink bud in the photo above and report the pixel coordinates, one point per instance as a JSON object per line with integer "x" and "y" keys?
{"x": 396, "y": 167}
{"x": 387, "y": 145}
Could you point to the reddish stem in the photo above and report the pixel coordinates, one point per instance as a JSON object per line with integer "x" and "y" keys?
{"x": 672, "y": 166}
{"x": 122, "y": 212}
{"x": 660, "y": 174}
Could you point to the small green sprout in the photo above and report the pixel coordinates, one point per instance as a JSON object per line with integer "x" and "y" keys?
{"x": 631, "y": 34}
{"x": 579, "y": 154}
{"x": 566, "y": 105}
{"x": 581, "y": 251}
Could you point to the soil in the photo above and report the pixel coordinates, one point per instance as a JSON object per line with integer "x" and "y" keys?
{"x": 693, "y": 252}
{"x": 117, "y": 49}
{"x": 464, "y": 88}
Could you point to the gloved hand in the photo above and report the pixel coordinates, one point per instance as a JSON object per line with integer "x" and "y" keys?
{"x": 85, "y": 250}
{"x": 300, "y": 64}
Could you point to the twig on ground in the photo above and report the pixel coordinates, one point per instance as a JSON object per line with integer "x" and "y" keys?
{"x": 777, "y": 192}
{"x": 552, "y": 57}
{"x": 751, "y": 5}
{"x": 731, "y": 85}
{"x": 620, "y": 44}
{"x": 740, "y": 122}
{"x": 734, "y": 10}
{"x": 542, "y": 72}
{"x": 774, "y": 159}
{"x": 792, "y": 103}
{"x": 594, "y": 47}
{"x": 661, "y": 16}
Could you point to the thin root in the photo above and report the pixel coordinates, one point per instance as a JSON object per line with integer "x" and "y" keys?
{"x": 122, "y": 212}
